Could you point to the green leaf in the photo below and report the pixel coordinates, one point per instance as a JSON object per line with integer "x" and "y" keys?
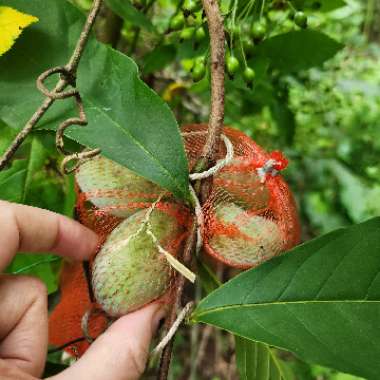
{"x": 256, "y": 361}
{"x": 360, "y": 200}
{"x": 320, "y": 301}
{"x": 208, "y": 279}
{"x": 12, "y": 181}
{"x": 127, "y": 120}
{"x": 128, "y": 12}
{"x": 35, "y": 162}
{"x": 304, "y": 49}
{"x": 7, "y": 134}
{"x": 285, "y": 118}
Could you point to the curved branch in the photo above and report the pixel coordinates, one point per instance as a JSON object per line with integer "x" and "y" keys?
{"x": 71, "y": 68}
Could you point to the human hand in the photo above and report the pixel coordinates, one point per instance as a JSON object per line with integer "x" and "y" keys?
{"x": 118, "y": 354}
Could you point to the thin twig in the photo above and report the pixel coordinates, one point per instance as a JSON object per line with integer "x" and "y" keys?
{"x": 178, "y": 290}
{"x": 216, "y": 120}
{"x": 174, "y": 327}
{"x": 65, "y": 80}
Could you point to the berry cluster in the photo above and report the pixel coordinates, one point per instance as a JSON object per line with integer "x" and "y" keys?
{"x": 244, "y": 29}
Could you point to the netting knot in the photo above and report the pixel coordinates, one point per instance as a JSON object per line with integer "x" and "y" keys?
{"x": 276, "y": 163}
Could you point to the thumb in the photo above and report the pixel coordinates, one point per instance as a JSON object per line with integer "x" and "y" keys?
{"x": 122, "y": 351}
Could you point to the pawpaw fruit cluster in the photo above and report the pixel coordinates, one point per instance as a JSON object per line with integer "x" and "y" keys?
{"x": 248, "y": 220}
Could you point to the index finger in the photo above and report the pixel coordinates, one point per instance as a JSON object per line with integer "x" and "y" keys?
{"x": 30, "y": 229}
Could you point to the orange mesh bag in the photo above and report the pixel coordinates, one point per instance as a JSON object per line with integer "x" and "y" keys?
{"x": 115, "y": 210}
{"x": 249, "y": 217}
{"x": 65, "y": 320}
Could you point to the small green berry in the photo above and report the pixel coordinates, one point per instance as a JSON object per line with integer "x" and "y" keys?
{"x": 177, "y": 22}
{"x": 199, "y": 71}
{"x": 258, "y": 31}
{"x": 249, "y": 75}
{"x": 191, "y": 6}
{"x": 232, "y": 65}
{"x": 248, "y": 46}
{"x": 300, "y": 19}
{"x": 187, "y": 34}
{"x": 200, "y": 34}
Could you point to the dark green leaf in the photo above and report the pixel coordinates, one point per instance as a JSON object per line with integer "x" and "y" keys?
{"x": 320, "y": 301}
{"x": 7, "y": 134}
{"x": 304, "y": 49}
{"x": 208, "y": 279}
{"x": 127, "y": 120}
{"x": 12, "y": 181}
{"x": 128, "y": 12}
{"x": 35, "y": 163}
{"x": 284, "y": 118}
{"x": 52, "y": 369}
{"x": 256, "y": 361}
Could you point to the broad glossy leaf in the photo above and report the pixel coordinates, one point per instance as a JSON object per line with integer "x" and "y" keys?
{"x": 128, "y": 12}
{"x": 127, "y": 120}
{"x": 298, "y": 50}
{"x": 256, "y": 361}
{"x": 320, "y": 301}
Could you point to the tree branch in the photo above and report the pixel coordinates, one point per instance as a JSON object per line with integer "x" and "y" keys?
{"x": 217, "y": 40}
{"x": 70, "y": 68}
{"x": 216, "y": 121}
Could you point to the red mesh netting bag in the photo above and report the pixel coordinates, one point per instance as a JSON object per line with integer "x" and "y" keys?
{"x": 113, "y": 202}
{"x": 249, "y": 217}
